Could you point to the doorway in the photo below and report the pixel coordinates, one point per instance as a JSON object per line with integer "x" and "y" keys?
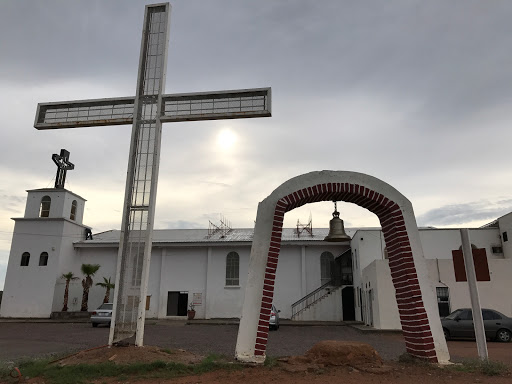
{"x": 348, "y": 305}
{"x": 177, "y": 303}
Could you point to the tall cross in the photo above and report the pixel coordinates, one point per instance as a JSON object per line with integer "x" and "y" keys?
{"x": 63, "y": 166}
{"x": 146, "y": 112}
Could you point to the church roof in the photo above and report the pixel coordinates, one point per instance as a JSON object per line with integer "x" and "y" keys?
{"x": 239, "y": 235}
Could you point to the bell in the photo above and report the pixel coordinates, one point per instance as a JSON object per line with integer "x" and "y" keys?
{"x": 336, "y": 228}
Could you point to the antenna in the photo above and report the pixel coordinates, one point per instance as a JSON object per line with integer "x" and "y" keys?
{"x": 223, "y": 228}
{"x": 305, "y": 227}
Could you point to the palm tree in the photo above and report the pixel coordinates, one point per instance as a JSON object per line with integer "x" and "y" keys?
{"x": 108, "y": 286}
{"x": 68, "y": 276}
{"x": 88, "y": 270}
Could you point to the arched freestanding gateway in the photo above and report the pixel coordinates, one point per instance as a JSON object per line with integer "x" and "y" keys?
{"x": 414, "y": 293}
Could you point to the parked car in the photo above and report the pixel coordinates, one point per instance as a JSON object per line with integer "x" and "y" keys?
{"x": 460, "y": 324}
{"x": 103, "y": 315}
{"x": 274, "y": 318}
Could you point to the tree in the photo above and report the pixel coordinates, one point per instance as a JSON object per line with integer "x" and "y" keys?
{"x": 88, "y": 270}
{"x": 68, "y": 276}
{"x": 108, "y": 286}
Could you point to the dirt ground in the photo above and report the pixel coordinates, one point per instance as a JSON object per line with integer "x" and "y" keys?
{"x": 327, "y": 361}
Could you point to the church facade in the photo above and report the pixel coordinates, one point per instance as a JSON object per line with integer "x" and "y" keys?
{"x": 315, "y": 280}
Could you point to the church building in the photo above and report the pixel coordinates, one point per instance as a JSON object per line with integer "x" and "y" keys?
{"x": 207, "y": 268}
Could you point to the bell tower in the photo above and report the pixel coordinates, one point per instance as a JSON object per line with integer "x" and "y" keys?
{"x": 42, "y": 247}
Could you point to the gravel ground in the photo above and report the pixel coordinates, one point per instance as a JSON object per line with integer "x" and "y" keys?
{"x": 18, "y": 340}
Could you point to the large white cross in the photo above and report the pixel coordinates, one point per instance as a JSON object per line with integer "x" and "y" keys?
{"x": 146, "y": 112}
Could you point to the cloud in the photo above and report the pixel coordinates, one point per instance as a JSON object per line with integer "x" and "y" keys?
{"x": 182, "y": 224}
{"x": 458, "y": 214}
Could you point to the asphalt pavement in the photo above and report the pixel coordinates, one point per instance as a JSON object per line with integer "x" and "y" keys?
{"x": 20, "y": 340}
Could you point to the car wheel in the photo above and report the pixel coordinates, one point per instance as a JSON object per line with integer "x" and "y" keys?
{"x": 94, "y": 325}
{"x": 503, "y": 335}
{"x": 446, "y": 333}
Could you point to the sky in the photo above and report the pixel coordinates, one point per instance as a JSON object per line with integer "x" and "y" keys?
{"x": 415, "y": 93}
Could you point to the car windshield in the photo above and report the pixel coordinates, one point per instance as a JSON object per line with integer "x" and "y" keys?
{"x": 106, "y": 306}
{"x": 453, "y": 315}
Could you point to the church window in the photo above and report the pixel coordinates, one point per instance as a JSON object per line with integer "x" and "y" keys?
{"x": 46, "y": 201}
{"x": 505, "y": 236}
{"x": 43, "y": 259}
{"x": 25, "y": 258}
{"x": 72, "y": 216}
{"x": 326, "y": 262}
{"x": 232, "y": 269}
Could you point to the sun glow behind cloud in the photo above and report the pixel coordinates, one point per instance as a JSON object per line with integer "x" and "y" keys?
{"x": 226, "y": 139}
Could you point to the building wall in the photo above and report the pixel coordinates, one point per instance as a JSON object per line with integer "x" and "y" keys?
{"x": 439, "y": 243}
{"x": 493, "y": 294}
{"x": 105, "y": 257}
{"x": 29, "y": 290}
{"x": 505, "y": 225}
{"x": 61, "y": 201}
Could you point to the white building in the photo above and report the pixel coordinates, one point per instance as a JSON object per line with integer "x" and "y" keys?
{"x": 326, "y": 281}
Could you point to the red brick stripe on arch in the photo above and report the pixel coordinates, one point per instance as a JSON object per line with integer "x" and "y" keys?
{"x": 413, "y": 317}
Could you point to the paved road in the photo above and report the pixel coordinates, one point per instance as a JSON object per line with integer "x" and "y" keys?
{"x": 18, "y": 340}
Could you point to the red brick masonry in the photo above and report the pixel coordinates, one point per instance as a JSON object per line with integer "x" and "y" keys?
{"x": 416, "y": 330}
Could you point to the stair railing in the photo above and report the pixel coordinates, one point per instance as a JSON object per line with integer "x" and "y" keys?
{"x": 311, "y": 298}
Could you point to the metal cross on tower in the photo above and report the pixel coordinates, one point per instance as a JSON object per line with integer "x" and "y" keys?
{"x": 146, "y": 112}
{"x": 63, "y": 166}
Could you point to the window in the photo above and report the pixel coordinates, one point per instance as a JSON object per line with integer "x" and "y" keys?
{"x": 43, "y": 259}
{"x": 466, "y": 315}
{"x": 443, "y": 301}
{"x": 490, "y": 315}
{"x": 232, "y": 269}
{"x": 497, "y": 250}
{"x": 326, "y": 264}
{"x": 44, "y": 211}
{"x": 505, "y": 236}
{"x": 72, "y": 216}
{"x": 25, "y": 258}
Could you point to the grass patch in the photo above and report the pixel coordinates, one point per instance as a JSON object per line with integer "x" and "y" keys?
{"x": 486, "y": 367}
{"x": 406, "y": 358}
{"x": 84, "y": 373}
{"x": 270, "y": 362}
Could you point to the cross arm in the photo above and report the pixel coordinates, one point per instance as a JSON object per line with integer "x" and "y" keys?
{"x": 234, "y": 104}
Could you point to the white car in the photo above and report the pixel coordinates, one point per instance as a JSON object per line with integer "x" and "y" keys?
{"x": 103, "y": 315}
{"x": 273, "y": 323}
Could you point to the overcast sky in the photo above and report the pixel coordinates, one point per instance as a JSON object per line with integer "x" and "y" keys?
{"x": 415, "y": 93}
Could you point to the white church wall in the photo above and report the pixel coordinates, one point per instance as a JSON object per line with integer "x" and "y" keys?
{"x": 505, "y": 225}
{"x": 493, "y": 294}
{"x": 105, "y": 257}
{"x": 183, "y": 270}
{"x": 225, "y": 301}
{"x": 313, "y": 269}
{"x": 377, "y": 277}
{"x": 439, "y": 243}
{"x": 327, "y": 309}
{"x": 29, "y": 290}
{"x": 60, "y": 206}
{"x": 288, "y": 282}
{"x": 367, "y": 246}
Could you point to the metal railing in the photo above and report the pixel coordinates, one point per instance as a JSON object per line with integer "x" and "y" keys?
{"x": 311, "y": 298}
